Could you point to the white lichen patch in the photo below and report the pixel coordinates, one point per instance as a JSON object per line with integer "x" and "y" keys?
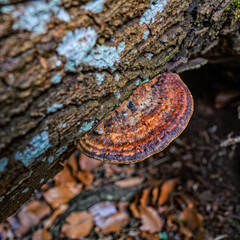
{"x": 62, "y": 125}
{"x": 145, "y": 35}
{"x": 50, "y": 159}
{"x": 76, "y": 45}
{"x": 55, "y": 61}
{"x": 4, "y": 1}
{"x": 25, "y": 178}
{"x": 117, "y": 95}
{"x": 94, "y": 6}
{"x": 103, "y": 57}
{"x": 155, "y": 7}
{"x": 35, "y": 15}
{"x": 54, "y": 107}
{"x": 78, "y": 49}
{"x": 145, "y": 81}
{"x": 86, "y": 126}
{"x": 117, "y": 77}
{"x": 149, "y": 56}
{"x": 37, "y": 146}
{"x": 7, "y": 9}
{"x": 56, "y": 78}
{"x": 61, "y": 150}
{"x": 3, "y": 163}
{"x": 100, "y": 78}
{"x": 25, "y": 190}
{"x": 63, "y": 15}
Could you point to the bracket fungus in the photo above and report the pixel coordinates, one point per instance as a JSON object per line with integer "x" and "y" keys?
{"x": 154, "y": 115}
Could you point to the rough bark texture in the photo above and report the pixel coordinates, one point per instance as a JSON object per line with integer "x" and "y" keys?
{"x": 60, "y": 76}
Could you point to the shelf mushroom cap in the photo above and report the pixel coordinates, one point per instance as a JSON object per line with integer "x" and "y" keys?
{"x": 155, "y": 114}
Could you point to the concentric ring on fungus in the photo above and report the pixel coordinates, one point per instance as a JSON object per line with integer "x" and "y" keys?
{"x": 154, "y": 115}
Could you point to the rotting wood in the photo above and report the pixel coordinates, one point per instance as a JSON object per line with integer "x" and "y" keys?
{"x": 51, "y": 92}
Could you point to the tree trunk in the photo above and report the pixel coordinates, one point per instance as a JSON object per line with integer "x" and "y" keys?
{"x": 64, "y": 65}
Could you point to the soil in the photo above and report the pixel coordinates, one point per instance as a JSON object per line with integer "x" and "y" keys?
{"x": 216, "y": 168}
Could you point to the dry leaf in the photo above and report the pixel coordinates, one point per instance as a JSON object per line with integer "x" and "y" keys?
{"x": 134, "y": 210}
{"x": 85, "y": 177}
{"x": 144, "y": 197}
{"x": 41, "y": 234}
{"x": 149, "y": 236}
{"x": 166, "y": 190}
{"x": 123, "y": 206}
{"x": 72, "y": 163}
{"x": 78, "y": 224}
{"x": 101, "y": 211}
{"x": 154, "y": 195}
{"x": 186, "y": 231}
{"x": 192, "y": 219}
{"x": 172, "y": 222}
{"x": 49, "y": 222}
{"x": 129, "y": 182}
{"x": 115, "y": 222}
{"x": 64, "y": 177}
{"x": 88, "y": 163}
{"x": 61, "y": 194}
{"x": 14, "y": 222}
{"x": 31, "y": 214}
{"x": 44, "y": 187}
{"x": 5, "y": 231}
{"x": 151, "y": 220}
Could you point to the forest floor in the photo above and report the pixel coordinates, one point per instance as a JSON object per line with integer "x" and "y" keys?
{"x": 191, "y": 190}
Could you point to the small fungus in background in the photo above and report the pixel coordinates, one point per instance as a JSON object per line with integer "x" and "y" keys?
{"x": 156, "y": 113}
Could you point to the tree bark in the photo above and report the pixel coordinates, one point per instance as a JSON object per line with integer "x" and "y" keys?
{"x": 64, "y": 65}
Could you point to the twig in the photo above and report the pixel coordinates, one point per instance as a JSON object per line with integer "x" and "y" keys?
{"x": 85, "y": 200}
{"x": 230, "y": 141}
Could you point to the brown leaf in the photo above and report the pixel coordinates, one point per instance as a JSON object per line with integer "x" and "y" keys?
{"x": 192, "y": 219}
{"x": 149, "y": 236}
{"x": 186, "y": 231}
{"x": 123, "y": 206}
{"x": 144, "y": 197}
{"x": 31, "y": 214}
{"x": 129, "y": 182}
{"x": 115, "y": 222}
{"x": 154, "y": 195}
{"x": 151, "y": 220}
{"x": 49, "y": 222}
{"x": 85, "y": 176}
{"x": 72, "y": 163}
{"x": 41, "y": 234}
{"x": 61, "y": 194}
{"x": 134, "y": 210}
{"x": 78, "y": 224}
{"x": 64, "y": 177}
{"x": 166, "y": 190}
{"x": 88, "y": 163}
{"x": 5, "y": 231}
